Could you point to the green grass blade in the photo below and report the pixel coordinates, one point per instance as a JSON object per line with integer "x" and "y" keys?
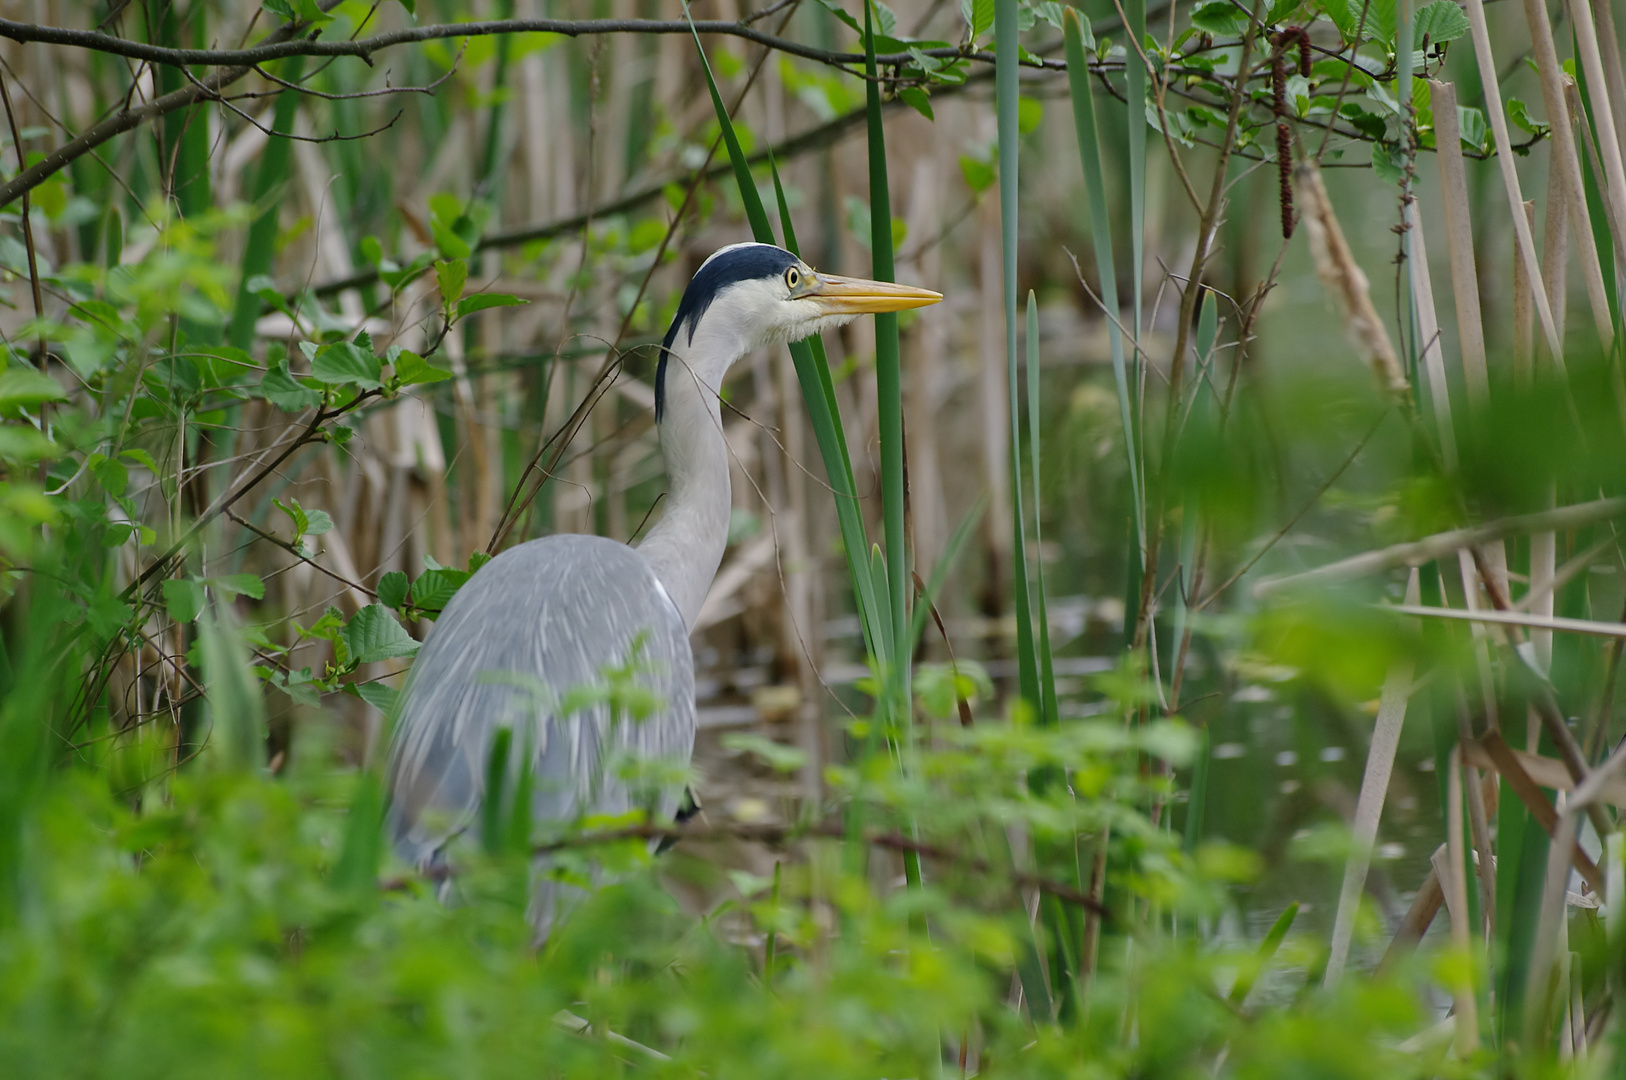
{"x": 813, "y": 372}
{"x": 1135, "y": 104}
{"x": 939, "y": 575}
{"x": 888, "y": 378}
{"x": 1049, "y": 711}
{"x": 269, "y": 179}
{"x": 818, "y": 392}
{"x": 1089, "y": 152}
{"x": 754, "y": 213}
{"x": 1267, "y": 952}
{"x": 1006, "y": 97}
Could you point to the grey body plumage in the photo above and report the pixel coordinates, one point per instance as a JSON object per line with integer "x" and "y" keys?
{"x": 550, "y": 616}
{"x": 569, "y": 607}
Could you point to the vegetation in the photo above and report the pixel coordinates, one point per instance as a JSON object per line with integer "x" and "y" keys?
{"x": 1078, "y": 671}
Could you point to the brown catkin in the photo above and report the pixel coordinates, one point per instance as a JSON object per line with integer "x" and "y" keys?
{"x": 1284, "y": 134}
{"x": 1284, "y": 173}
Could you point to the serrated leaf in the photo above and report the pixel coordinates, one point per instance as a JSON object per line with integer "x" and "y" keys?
{"x": 979, "y": 15}
{"x": 346, "y": 363}
{"x": 392, "y": 589}
{"x": 318, "y": 522}
{"x": 281, "y": 389}
{"x": 183, "y": 599}
{"x": 1220, "y": 18}
{"x": 482, "y": 301}
{"x": 434, "y": 589}
{"x": 374, "y": 634}
{"x": 231, "y": 585}
{"x": 296, "y": 514}
{"x": 1519, "y": 113}
{"x": 24, "y": 388}
{"x": 412, "y": 370}
{"x": 916, "y": 99}
{"x": 377, "y": 695}
{"x": 451, "y": 275}
{"x": 1440, "y": 22}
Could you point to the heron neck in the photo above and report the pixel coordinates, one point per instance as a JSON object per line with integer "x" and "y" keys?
{"x": 686, "y": 545}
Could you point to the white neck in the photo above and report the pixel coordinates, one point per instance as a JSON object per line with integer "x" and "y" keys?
{"x": 686, "y": 545}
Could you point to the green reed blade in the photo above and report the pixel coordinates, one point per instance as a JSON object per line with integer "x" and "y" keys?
{"x": 1267, "y": 952}
{"x": 1007, "y": 97}
{"x": 888, "y": 377}
{"x": 1049, "y": 711}
{"x": 1135, "y": 104}
{"x": 269, "y": 179}
{"x": 1089, "y": 152}
{"x": 818, "y": 392}
{"x": 939, "y": 575}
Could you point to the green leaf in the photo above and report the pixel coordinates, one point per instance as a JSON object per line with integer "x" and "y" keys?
{"x": 480, "y": 302}
{"x": 1519, "y": 113}
{"x": 232, "y": 585}
{"x": 23, "y": 445}
{"x": 347, "y": 363}
{"x": 1472, "y": 124}
{"x": 1440, "y": 22}
{"x": 781, "y": 758}
{"x": 434, "y": 589}
{"x": 392, "y": 589}
{"x": 916, "y": 99}
{"x": 281, "y": 389}
{"x": 412, "y": 369}
{"x": 978, "y": 173}
{"x": 319, "y": 523}
{"x": 24, "y": 388}
{"x": 183, "y": 598}
{"x": 1222, "y": 18}
{"x": 377, "y": 695}
{"x": 979, "y": 15}
{"x": 374, "y": 634}
{"x": 452, "y": 275}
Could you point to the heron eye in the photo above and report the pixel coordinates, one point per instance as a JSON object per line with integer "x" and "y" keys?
{"x": 793, "y": 277}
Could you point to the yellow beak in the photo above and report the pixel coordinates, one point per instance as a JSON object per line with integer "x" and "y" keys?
{"x": 858, "y": 296}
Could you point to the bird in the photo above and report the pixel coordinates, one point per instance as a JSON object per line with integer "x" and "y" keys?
{"x": 553, "y": 615}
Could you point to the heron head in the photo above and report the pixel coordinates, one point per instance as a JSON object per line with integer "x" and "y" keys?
{"x": 746, "y": 296}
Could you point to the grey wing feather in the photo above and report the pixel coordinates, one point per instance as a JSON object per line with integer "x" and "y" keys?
{"x": 538, "y": 621}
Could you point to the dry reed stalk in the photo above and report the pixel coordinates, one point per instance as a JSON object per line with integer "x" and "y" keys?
{"x": 1513, "y": 619}
{"x": 1567, "y": 165}
{"x": 1417, "y": 552}
{"x": 1456, "y": 903}
{"x": 1503, "y": 759}
{"x": 1428, "y": 335}
{"x": 1494, "y": 107}
{"x": 1380, "y": 760}
{"x": 1550, "y": 773}
{"x": 1603, "y": 110}
{"x": 1459, "y": 238}
{"x": 1572, "y": 96}
{"x": 1609, "y": 43}
{"x": 1479, "y": 826}
{"x": 1524, "y": 322}
{"x": 1343, "y": 278}
{"x": 1415, "y": 923}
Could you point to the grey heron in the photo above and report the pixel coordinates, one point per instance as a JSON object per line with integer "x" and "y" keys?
{"x": 549, "y": 616}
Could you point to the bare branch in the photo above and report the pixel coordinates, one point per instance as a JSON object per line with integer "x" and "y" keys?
{"x": 364, "y": 48}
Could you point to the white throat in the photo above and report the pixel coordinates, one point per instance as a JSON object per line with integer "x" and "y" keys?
{"x": 686, "y": 545}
